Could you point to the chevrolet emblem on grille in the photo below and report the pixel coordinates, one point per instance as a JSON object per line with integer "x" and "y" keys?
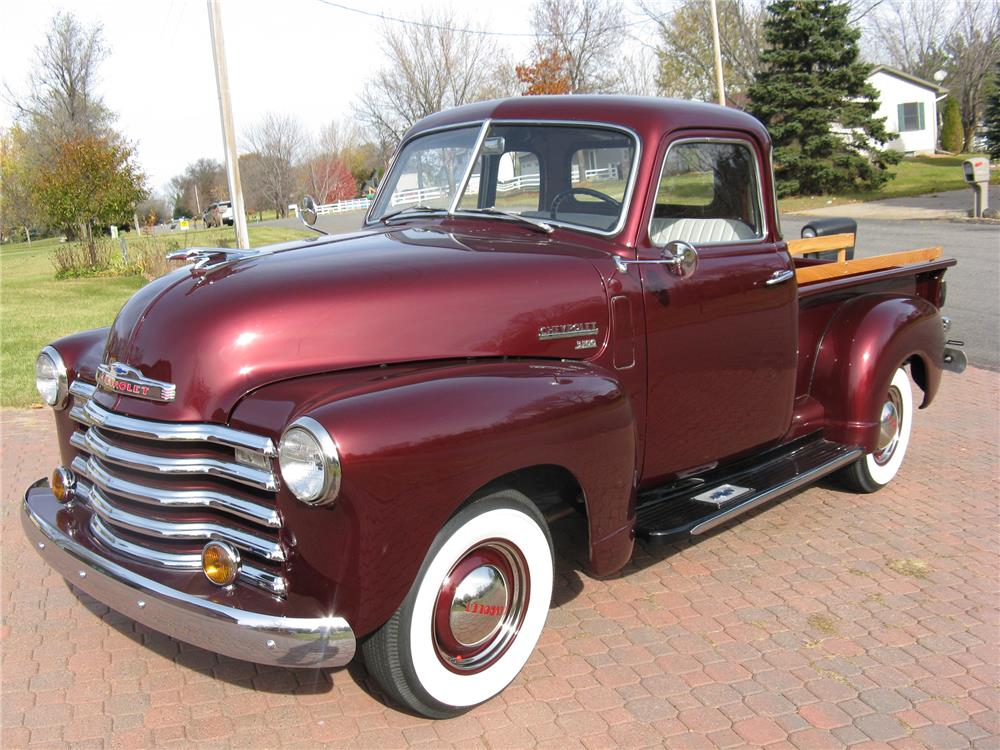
{"x": 117, "y": 378}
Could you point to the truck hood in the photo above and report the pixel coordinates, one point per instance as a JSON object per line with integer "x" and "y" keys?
{"x": 353, "y": 301}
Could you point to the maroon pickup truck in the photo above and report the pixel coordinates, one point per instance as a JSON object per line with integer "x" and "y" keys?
{"x": 555, "y": 304}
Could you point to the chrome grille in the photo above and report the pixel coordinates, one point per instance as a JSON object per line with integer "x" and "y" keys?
{"x": 159, "y": 491}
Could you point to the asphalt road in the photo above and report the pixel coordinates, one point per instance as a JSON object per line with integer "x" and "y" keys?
{"x": 973, "y": 285}
{"x": 948, "y": 200}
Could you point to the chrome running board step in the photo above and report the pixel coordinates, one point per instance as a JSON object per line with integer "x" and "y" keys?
{"x": 692, "y": 507}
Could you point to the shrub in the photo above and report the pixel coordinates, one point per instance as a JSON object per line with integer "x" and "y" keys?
{"x": 75, "y": 260}
{"x": 952, "y": 135}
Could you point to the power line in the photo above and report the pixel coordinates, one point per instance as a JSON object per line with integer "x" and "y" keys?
{"x": 477, "y": 32}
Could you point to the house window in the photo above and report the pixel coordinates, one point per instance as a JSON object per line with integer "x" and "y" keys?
{"x": 910, "y": 116}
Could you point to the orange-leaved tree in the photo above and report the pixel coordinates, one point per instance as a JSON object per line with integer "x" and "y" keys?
{"x": 547, "y": 75}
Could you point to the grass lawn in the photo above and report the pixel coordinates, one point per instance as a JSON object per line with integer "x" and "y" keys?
{"x": 916, "y": 175}
{"x": 35, "y": 308}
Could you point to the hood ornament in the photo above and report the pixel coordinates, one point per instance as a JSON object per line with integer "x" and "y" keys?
{"x": 207, "y": 258}
{"x": 120, "y": 379}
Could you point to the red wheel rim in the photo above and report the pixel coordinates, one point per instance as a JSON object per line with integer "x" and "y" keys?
{"x": 480, "y": 606}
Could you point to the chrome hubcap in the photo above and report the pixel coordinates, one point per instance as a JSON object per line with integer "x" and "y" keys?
{"x": 480, "y": 606}
{"x": 889, "y": 427}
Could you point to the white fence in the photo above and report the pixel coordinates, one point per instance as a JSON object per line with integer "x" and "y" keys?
{"x": 421, "y": 195}
{"x": 355, "y": 204}
{"x": 417, "y": 195}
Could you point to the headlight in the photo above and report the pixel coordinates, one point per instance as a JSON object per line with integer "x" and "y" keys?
{"x": 50, "y": 378}
{"x": 309, "y": 462}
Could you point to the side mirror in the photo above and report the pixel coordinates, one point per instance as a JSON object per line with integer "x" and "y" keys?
{"x": 682, "y": 257}
{"x": 307, "y": 210}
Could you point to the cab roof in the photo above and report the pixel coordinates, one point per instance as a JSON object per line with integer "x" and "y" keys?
{"x": 650, "y": 117}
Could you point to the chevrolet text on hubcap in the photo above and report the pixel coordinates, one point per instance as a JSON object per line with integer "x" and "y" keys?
{"x": 480, "y": 606}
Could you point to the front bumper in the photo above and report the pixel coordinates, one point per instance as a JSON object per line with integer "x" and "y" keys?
{"x": 241, "y": 634}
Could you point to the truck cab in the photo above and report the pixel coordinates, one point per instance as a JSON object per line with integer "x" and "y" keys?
{"x": 554, "y": 305}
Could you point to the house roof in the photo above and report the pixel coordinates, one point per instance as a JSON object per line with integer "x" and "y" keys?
{"x": 907, "y": 77}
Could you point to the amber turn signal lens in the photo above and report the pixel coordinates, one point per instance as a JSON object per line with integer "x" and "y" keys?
{"x": 63, "y": 484}
{"x": 221, "y": 563}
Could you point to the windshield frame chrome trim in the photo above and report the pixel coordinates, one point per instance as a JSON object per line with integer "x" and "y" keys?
{"x": 483, "y": 129}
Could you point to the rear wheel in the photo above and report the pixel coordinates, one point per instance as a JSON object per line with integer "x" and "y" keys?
{"x": 875, "y": 470}
{"x": 475, "y": 612}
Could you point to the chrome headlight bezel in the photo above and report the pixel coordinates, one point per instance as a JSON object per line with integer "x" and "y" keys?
{"x": 61, "y": 379}
{"x": 327, "y": 448}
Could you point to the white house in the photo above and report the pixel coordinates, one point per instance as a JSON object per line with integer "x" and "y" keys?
{"x": 909, "y": 106}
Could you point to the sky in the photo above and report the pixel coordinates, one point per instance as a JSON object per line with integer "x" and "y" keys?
{"x": 300, "y": 56}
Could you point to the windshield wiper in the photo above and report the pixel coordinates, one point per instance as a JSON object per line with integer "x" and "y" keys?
{"x": 415, "y": 209}
{"x": 541, "y": 226}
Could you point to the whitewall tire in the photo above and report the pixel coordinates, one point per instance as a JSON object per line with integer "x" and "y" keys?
{"x": 875, "y": 470}
{"x": 474, "y": 613}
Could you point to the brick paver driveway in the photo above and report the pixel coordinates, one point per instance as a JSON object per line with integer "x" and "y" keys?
{"x": 825, "y": 620}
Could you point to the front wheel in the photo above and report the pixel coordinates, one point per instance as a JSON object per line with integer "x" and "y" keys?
{"x": 875, "y": 470}
{"x": 474, "y": 613}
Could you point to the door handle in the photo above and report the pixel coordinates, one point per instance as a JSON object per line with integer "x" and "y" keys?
{"x": 779, "y": 277}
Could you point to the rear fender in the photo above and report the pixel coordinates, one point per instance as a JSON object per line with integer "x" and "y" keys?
{"x": 413, "y": 448}
{"x": 866, "y": 341}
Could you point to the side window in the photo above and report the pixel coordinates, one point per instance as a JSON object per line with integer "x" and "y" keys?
{"x": 708, "y": 193}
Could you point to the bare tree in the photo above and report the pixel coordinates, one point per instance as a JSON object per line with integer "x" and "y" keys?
{"x": 325, "y": 174}
{"x": 430, "y": 66}
{"x": 201, "y": 182}
{"x": 61, "y": 98}
{"x": 636, "y": 75}
{"x": 587, "y": 33}
{"x": 685, "y": 53}
{"x": 255, "y": 200}
{"x": 279, "y": 141}
{"x": 910, "y": 35}
{"x": 973, "y": 48}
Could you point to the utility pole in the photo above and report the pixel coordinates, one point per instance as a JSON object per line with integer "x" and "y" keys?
{"x": 717, "y": 49}
{"x": 228, "y": 130}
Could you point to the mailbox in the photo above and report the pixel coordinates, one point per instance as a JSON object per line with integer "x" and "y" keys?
{"x": 977, "y": 174}
{"x": 826, "y": 227}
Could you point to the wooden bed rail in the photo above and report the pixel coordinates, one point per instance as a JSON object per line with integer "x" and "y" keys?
{"x": 836, "y": 269}
{"x": 838, "y": 242}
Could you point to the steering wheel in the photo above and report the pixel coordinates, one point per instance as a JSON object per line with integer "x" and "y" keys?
{"x": 563, "y": 194}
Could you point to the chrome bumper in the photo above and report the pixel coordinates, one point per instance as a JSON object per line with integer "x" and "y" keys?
{"x": 265, "y": 639}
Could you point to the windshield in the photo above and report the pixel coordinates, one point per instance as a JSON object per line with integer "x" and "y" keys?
{"x": 573, "y": 175}
{"x": 427, "y": 172}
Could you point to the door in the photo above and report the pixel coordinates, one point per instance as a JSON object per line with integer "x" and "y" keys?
{"x": 721, "y": 342}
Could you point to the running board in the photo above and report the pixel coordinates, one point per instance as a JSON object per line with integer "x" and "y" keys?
{"x": 667, "y": 513}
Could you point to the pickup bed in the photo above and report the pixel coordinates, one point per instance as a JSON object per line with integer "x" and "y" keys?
{"x": 555, "y": 305}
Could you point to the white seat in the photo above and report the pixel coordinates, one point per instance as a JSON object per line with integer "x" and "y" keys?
{"x": 697, "y": 231}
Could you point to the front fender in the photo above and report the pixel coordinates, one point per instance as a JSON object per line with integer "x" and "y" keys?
{"x": 866, "y": 341}
{"x": 416, "y": 443}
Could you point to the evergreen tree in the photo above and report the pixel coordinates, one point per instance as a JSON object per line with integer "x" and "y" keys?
{"x": 993, "y": 116}
{"x": 813, "y": 96}
{"x": 952, "y": 134}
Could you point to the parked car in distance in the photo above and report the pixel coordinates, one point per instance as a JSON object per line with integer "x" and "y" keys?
{"x": 219, "y": 213}
{"x": 556, "y": 305}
